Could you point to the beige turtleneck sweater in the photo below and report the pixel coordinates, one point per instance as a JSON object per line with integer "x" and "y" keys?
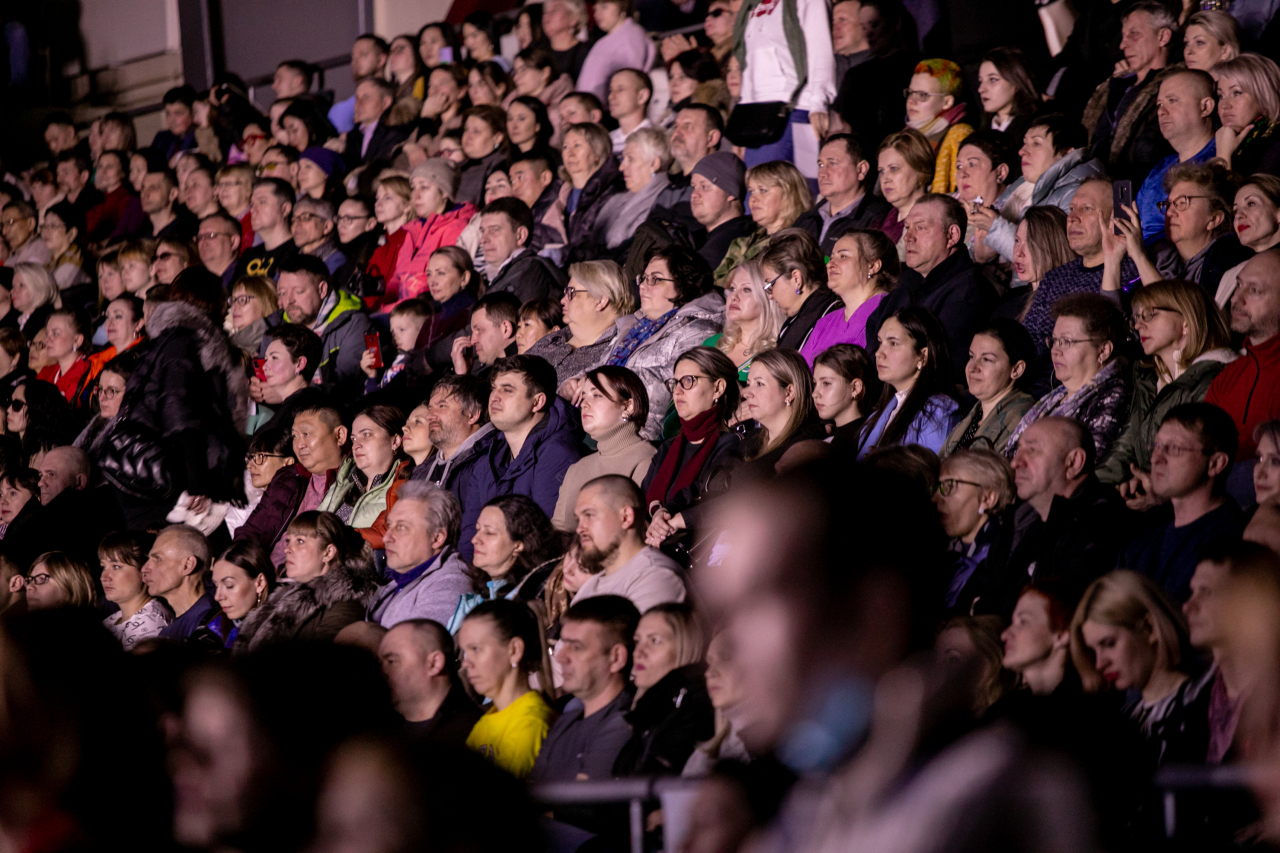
{"x": 619, "y": 451}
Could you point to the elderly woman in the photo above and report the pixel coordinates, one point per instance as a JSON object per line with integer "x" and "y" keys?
{"x": 595, "y": 299}
{"x": 982, "y": 170}
{"x": 698, "y": 462}
{"x": 484, "y": 141}
{"x": 1257, "y": 226}
{"x": 440, "y": 222}
{"x": 253, "y": 300}
{"x": 795, "y": 277}
{"x": 1187, "y": 343}
{"x": 933, "y": 110}
{"x": 35, "y": 296}
{"x": 974, "y": 489}
{"x": 1249, "y": 107}
{"x": 646, "y": 158}
{"x": 63, "y": 231}
{"x": 777, "y": 195}
{"x": 1088, "y": 329}
{"x": 751, "y": 318}
{"x": 1000, "y": 357}
{"x": 863, "y": 268}
{"x": 614, "y": 406}
{"x": 1127, "y": 636}
{"x": 1200, "y": 245}
{"x": 1210, "y": 38}
{"x": 905, "y": 167}
{"x": 591, "y": 178}
{"x": 1053, "y": 165}
{"x": 678, "y": 310}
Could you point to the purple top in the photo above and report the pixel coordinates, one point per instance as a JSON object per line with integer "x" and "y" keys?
{"x": 832, "y": 329}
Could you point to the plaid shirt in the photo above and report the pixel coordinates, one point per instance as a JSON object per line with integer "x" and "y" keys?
{"x": 1073, "y": 277}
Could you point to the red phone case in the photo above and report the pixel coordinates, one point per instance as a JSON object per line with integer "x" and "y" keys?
{"x": 371, "y": 342}
{"x": 257, "y": 369}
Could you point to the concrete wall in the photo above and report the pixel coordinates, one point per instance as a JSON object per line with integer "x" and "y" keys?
{"x": 120, "y": 31}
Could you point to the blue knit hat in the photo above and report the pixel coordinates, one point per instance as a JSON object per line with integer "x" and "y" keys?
{"x": 329, "y": 162}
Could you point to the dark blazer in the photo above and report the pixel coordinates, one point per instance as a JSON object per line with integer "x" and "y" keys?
{"x": 868, "y": 213}
{"x": 795, "y": 330}
{"x": 381, "y": 146}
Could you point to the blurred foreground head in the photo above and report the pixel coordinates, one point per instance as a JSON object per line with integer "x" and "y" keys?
{"x": 825, "y": 578}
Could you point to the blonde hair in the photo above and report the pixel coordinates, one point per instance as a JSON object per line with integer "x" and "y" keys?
{"x": 796, "y": 197}
{"x": 41, "y": 284}
{"x": 605, "y": 280}
{"x": 1258, "y": 76}
{"x": 770, "y": 315}
{"x": 1207, "y": 328}
{"x": 1221, "y": 27}
{"x": 989, "y": 469}
{"x": 914, "y": 148}
{"x": 1125, "y": 599}
{"x": 396, "y": 184}
{"x": 790, "y": 370}
{"x": 688, "y": 629}
{"x": 261, "y": 288}
{"x": 71, "y": 576}
{"x": 138, "y": 250}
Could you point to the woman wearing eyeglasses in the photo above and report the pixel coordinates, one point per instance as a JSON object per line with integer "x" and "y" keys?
{"x": 253, "y": 300}
{"x": 597, "y": 301}
{"x": 974, "y": 488}
{"x": 270, "y": 460}
{"x": 1088, "y": 328}
{"x": 108, "y": 392}
{"x": 678, "y": 310}
{"x": 698, "y": 463}
{"x": 63, "y": 231}
{"x": 1199, "y": 244}
{"x": 38, "y": 414}
{"x": 57, "y": 580}
{"x": 1187, "y": 343}
{"x": 933, "y": 109}
{"x": 795, "y": 278}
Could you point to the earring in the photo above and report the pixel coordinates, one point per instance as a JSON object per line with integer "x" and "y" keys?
{"x": 788, "y": 404}
{"x": 868, "y": 276}
{"x": 714, "y": 401}
{"x": 626, "y": 418}
{"x": 799, "y": 290}
{"x": 258, "y": 599}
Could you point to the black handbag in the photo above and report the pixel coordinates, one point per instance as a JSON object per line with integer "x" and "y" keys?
{"x": 133, "y": 459}
{"x": 760, "y": 124}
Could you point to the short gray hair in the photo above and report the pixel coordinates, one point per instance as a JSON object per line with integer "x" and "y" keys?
{"x": 652, "y": 142}
{"x": 443, "y": 512}
{"x": 1162, "y": 17}
{"x": 194, "y": 541}
{"x": 319, "y": 206}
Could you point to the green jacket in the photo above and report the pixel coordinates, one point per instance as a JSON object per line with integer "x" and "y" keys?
{"x": 740, "y": 250}
{"x": 369, "y": 505}
{"x": 996, "y": 429}
{"x": 1150, "y": 407}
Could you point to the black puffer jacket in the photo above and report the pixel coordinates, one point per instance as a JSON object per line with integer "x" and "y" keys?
{"x": 190, "y": 394}
{"x": 315, "y": 610}
{"x": 667, "y": 722}
{"x": 605, "y": 183}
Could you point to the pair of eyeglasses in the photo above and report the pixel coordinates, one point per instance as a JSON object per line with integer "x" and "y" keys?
{"x": 768, "y": 285}
{"x": 261, "y": 458}
{"x": 107, "y": 392}
{"x": 1150, "y": 314}
{"x": 211, "y": 235}
{"x": 304, "y": 217}
{"x": 913, "y": 95}
{"x": 251, "y": 138}
{"x": 165, "y": 256}
{"x": 685, "y": 382}
{"x": 652, "y": 280}
{"x": 242, "y": 300}
{"x": 1179, "y": 204}
{"x": 1066, "y": 343}
{"x": 39, "y": 580}
{"x": 17, "y": 405}
{"x": 570, "y": 292}
{"x": 947, "y": 486}
{"x": 1173, "y": 451}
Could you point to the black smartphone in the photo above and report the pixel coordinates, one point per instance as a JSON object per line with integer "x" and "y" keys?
{"x": 1121, "y": 195}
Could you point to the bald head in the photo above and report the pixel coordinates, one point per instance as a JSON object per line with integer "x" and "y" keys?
{"x": 63, "y": 468}
{"x": 1255, "y": 306}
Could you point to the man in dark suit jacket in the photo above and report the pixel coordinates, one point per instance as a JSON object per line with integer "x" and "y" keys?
{"x": 372, "y": 138}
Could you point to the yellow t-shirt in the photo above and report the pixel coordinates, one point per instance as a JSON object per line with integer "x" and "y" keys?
{"x": 511, "y": 738}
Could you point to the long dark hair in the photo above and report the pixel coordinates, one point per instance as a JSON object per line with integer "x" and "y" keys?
{"x": 251, "y": 558}
{"x": 541, "y": 116}
{"x": 527, "y": 524}
{"x": 48, "y": 413}
{"x": 1011, "y": 64}
{"x": 935, "y": 377}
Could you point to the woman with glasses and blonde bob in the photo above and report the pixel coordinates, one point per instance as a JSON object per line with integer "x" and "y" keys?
{"x": 698, "y": 463}
{"x": 974, "y": 489}
{"x": 253, "y": 300}
{"x": 1249, "y": 107}
{"x": 57, "y": 580}
{"x": 776, "y": 196}
{"x": 751, "y": 318}
{"x": 1187, "y": 342}
{"x": 594, "y": 300}
{"x": 1127, "y": 636}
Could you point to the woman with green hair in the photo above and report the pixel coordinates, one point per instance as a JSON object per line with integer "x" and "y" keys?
{"x": 933, "y": 110}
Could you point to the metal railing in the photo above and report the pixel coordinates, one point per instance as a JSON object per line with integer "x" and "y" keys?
{"x": 635, "y": 792}
{"x": 1177, "y": 778}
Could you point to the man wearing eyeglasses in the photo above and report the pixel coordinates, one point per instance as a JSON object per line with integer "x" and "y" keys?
{"x": 18, "y": 228}
{"x": 1184, "y": 111}
{"x": 1191, "y": 459}
{"x": 218, "y": 241}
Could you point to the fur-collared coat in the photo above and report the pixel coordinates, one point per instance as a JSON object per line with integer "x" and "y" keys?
{"x": 315, "y": 610}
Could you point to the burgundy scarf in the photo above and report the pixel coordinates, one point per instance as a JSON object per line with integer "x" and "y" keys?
{"x": 702, "y": 427}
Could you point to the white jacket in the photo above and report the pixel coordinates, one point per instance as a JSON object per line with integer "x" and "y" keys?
{"x": 770, "y": 74}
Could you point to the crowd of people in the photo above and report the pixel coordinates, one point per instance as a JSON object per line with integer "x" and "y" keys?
{"x": 871, "y": 410}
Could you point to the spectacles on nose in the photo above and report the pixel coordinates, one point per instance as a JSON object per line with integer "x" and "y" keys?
{"x": 570, "y": 292}
{"x": 1180, "y": 204}
{"x": 261, "y": 458}
{"x": 1173, "y": 451}
{"x": 685, "y": 382}
{"x": 17, "y": 405}
{"x": 947, "y": 486}
{"x": 242, "y": 300}
{"x": 913, "y": 95}
{"x": 39, "y": 580}
{"x": 652, "y": 280}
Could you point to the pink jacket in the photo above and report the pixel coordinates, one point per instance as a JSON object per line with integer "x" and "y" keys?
{"x": 422, "y": 237}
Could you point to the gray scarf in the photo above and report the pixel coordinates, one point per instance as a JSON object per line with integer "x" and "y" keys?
{"x": 626, "y": 212}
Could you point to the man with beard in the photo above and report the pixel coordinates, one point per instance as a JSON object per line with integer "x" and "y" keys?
{"x": 611, "y": 523}
{"x": 457, "y": 423}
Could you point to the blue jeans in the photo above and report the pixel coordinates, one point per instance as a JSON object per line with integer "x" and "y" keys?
{"x": 783, "y": 149}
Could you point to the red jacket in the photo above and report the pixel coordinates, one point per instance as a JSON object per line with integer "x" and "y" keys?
{"x": 66, "y": 382}
{"x": 1248, "y": 389}
{"x": 422, "y": 237}
{"x": 382, "y": 263}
